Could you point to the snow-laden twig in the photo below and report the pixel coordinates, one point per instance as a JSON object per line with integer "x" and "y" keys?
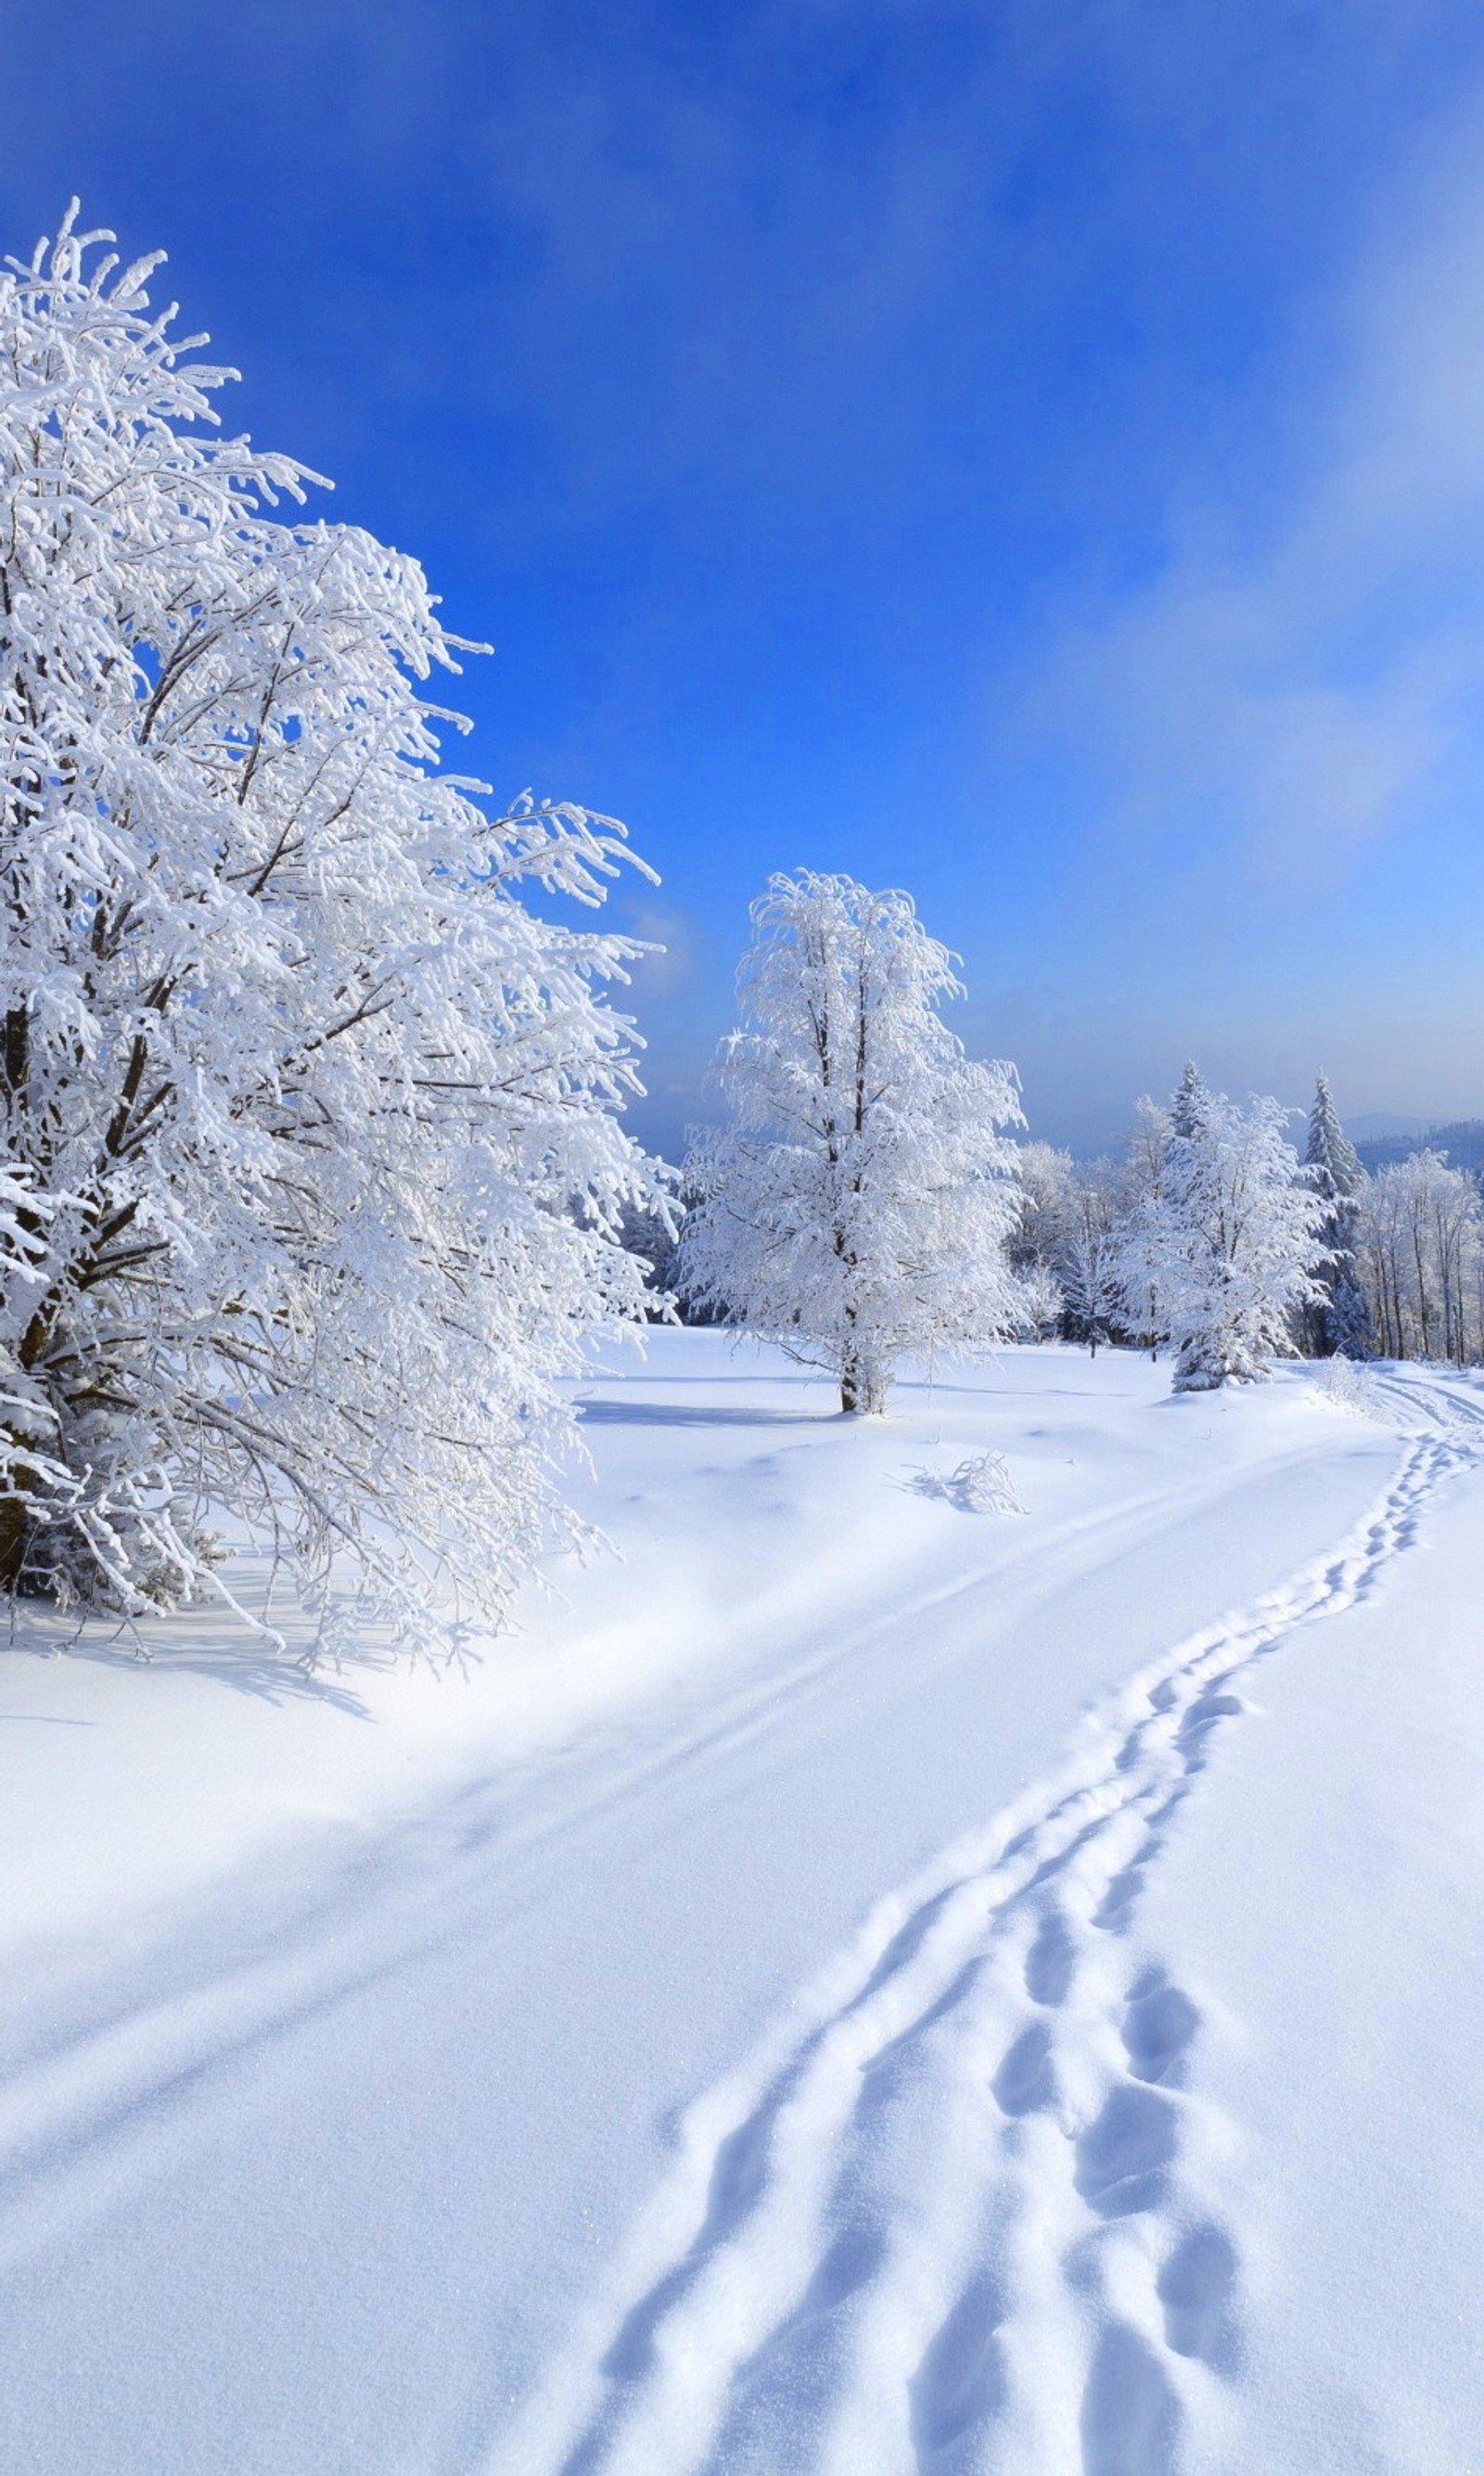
{"x": 980, "y": 1484}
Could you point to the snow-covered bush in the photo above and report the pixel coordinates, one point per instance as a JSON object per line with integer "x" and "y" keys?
{"x": 1225, "y": 1246}
{"x": 1345, "y": 1386}
{"x": 317, "y": 1175}
{"x": 981, "y": 1484}
{"x": 856, "y": 1206}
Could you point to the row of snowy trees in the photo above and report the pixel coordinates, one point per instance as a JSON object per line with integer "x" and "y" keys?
{"x": 863, "y": 1201}
{"x": 1396, "y": 1266}
{"x": 1419, "y": 1237}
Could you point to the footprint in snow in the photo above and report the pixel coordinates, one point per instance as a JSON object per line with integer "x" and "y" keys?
{"x": 1158, "y": 2025}
{"x": 1124, "y": 2156}
{"x": 1027, "y": 2080}
{"x": 1196, "y": 2287}
{"x": 1130, "y": 2414}
{"x": 1050, "y": 1959}
{"x": 959, "y": 2386}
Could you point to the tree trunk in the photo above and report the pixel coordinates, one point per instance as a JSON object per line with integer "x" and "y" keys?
{"x": 14, "y": 1533}
{"x": 862, "y": 1391}
{"x": 19, "y": 1574}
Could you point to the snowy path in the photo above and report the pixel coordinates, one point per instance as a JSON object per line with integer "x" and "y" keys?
{"x": 375, "y": 2149}
{"x": 947, "y": 2222}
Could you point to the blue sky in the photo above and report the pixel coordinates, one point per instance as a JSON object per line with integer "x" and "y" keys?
{"x": 1030, "y": 453}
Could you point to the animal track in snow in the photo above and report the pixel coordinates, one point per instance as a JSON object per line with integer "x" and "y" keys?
{"x": 941, "y": 2222}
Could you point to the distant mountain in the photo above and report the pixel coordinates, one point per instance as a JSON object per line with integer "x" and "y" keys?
{"x": 1087, "y": 1134}
{"x": 1379, "y": 1135}
{"x": 1378, "y": 1126}
{"x": 1461, "y": 1138}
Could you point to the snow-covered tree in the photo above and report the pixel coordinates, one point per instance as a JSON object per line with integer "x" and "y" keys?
{"x": 1138, "y": 1223}
{"x": 28, "y": 1427}
{"x": 650, "y": 1230}
{"x": 1039, "y": 1306}
{"x": 1337, "y": 1321}
{"x": 857, "y": 1204}
{"x": 1047, "y": 1181}
{"x": 1347, "y": 1325}
{"x": 1229, "y": 1242}
{"x": 1047, "y": 1184}
{"x": 316, "y": 1174}
{"x": 1090, "y": 1262}
{"x": 1188, "y": 1109}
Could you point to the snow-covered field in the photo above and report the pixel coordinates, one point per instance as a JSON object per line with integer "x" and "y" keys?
{"x": 868, "y": 1985}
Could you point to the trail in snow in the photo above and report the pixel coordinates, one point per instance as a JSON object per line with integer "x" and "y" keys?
{"x": 962, "y": 2211}
{"x": 98, "y": 2087}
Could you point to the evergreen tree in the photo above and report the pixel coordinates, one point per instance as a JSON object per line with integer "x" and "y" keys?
{"x": 1329, "y": 1149}
{"x": 1338, "y": 1319}
{"x": 1191, "y": 1104}
{"x": 1228, "y": 1242}
{"x": 1089, "y": 1264}
{"x": 1347, "y": 1327}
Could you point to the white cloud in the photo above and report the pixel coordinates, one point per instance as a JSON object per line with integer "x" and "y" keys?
{"x": 1296, "y": 682}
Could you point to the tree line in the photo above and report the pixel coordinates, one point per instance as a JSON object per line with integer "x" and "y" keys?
{"x": 1402, "y": 1269}
{"x": 868, "y": 1169}
{"x": 865, "y": 1198}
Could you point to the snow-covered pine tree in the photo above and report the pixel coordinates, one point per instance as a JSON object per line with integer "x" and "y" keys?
{"x": 317, "y": 1176}
{"x": 1191, "y": 1103}
{"x": 1339, "y": 1320}
{"x": 857, "y": 1204}
{"x": 1229, "y": 1240}
{"x": 1330, "y": 1149}
{"x": 1088, "y": 1263}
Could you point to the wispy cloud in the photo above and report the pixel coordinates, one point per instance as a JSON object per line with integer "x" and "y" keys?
{"x": 1301, "y": 674}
